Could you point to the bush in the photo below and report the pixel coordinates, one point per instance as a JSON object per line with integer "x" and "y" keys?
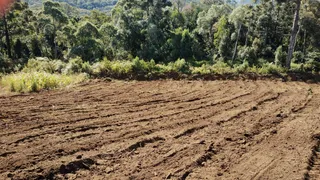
{"x": 221, "y": 67}
{"x": 140, "y": 66}
{"x": 298, "y": 57}
{"x": 312, "y": 62}
{"x": 271, "y": 68}
{"x": 44, "y": 65}
{"x": 179, "y": 66}
{"x": 121, "y": 68}
{"x": 102, "y": 68}
{"x": 242, "y": 68}
{"x": 296, "y": 67}
{"x": 36, "y": 81}
{"x": 76, "y": 65}
{"x": 203, "y": 70}
{"x": 280, "y": 57}
{"x": 247, "y": 54}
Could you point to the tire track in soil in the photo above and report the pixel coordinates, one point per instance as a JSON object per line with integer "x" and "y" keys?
{"x": 190, "y": 135}
{"x": 313, "y": 166}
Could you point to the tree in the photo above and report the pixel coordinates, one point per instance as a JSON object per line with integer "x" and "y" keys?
{"x": 58, "y": 19}
{"x": 294, "y": 34}
{"x": 207, "y": 21}
{"x": 88, "y": 46}
{"x": 4, "y": 5}
{"x": 237, "y": 17}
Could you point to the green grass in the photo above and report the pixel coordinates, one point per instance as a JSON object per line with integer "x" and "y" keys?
{"x": 36, "y": 81}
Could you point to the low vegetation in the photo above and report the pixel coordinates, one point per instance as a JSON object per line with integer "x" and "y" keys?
{"x": 165, "y": 39}
{"x": 36, "y": 81}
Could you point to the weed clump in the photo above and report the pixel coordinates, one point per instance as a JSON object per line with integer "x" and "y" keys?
{"x": 36, "y": 81}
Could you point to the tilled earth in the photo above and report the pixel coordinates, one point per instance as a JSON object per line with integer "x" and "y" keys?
{"x": 163, "y": 130}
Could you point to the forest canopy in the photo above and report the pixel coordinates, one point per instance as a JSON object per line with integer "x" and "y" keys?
{"x": 207, "y": 31}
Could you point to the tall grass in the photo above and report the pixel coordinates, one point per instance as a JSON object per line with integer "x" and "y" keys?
{"x": 36, "y": 81}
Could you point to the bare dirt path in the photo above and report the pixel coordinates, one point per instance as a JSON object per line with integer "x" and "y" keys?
{"x": 163, "y": 130}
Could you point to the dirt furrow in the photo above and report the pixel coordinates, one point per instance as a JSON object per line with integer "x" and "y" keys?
{"x": 163, "y": 130}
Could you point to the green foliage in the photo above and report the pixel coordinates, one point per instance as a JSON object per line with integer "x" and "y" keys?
{"x": 280, "y": 57}
{"x": 172, "y": 33}
{"x": 180, "y": 65}
{"x": 312, "y": 62}
{"x": 221, "y": 67}
{"x": 271, "y": 68}
{"x": 298, "y": 57}
{"x": 76, "y": 65}
{"x": 36, "y": 81}
{"x": 140, "y": 66}
{"x": 44, "y": 65}
{"x": 248, "y": 54}
{"x": 203, "y": 70}
{"x": 243, "y": 68}
{"x": 113, "y": 68}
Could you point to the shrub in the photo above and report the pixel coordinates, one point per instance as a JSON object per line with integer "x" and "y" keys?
{"x": 312, "y": 62}
{"x": 203, "y": 70}
{"x": 221, "y": 67}
{"x": 140, "y": 66}
{"x": 271, "y": 68}
{"x": 298, "y": 57}
{"x": 296, "y": 67}
{"x": 44, "y": 65}
{"x": 242, "y": 68}
{"x": 74, "y": 66}
{"x": 86, "y": 68}
{"x": 247, "y": 54}
{"x": 36, "y": 81}
{"x": 280, "y": 57}
{"x": 121, "y": 68}
{"x": 179, "y": 66}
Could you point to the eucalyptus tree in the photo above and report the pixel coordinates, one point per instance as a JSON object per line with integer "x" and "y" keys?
{"x": 87, "y": 46}
{"x": 206, "y": 25}
{"x": 143, "y": 25}
{"x": 58, "y": 20}
{"x": 238, "y": 17}
{"x": 294, "y": 33}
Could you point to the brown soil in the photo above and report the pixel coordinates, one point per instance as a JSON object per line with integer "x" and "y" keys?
{"x": 163, "y": 130}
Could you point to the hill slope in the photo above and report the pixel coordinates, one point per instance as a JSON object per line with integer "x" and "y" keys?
{"x": 103, "y": 5}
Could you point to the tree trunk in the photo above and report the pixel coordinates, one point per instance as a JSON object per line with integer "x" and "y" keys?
{"x": 304, "y": 42}
{"x": 294, "y": 34}
{"x": 236, "y": 44}
{"x": 7, "y": 34}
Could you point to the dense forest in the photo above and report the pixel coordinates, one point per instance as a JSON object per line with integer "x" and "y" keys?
{"x": 281, "y": 33}
{"x": 102, "y": 5}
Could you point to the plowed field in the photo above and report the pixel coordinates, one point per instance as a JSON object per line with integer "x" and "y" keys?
{"x": 163, "y": 130}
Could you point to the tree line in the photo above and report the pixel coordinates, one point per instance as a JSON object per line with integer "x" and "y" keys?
{"x": 271, "y": 31}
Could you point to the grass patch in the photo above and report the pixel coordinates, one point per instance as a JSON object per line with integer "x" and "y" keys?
{"x": 36, "y": 81}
